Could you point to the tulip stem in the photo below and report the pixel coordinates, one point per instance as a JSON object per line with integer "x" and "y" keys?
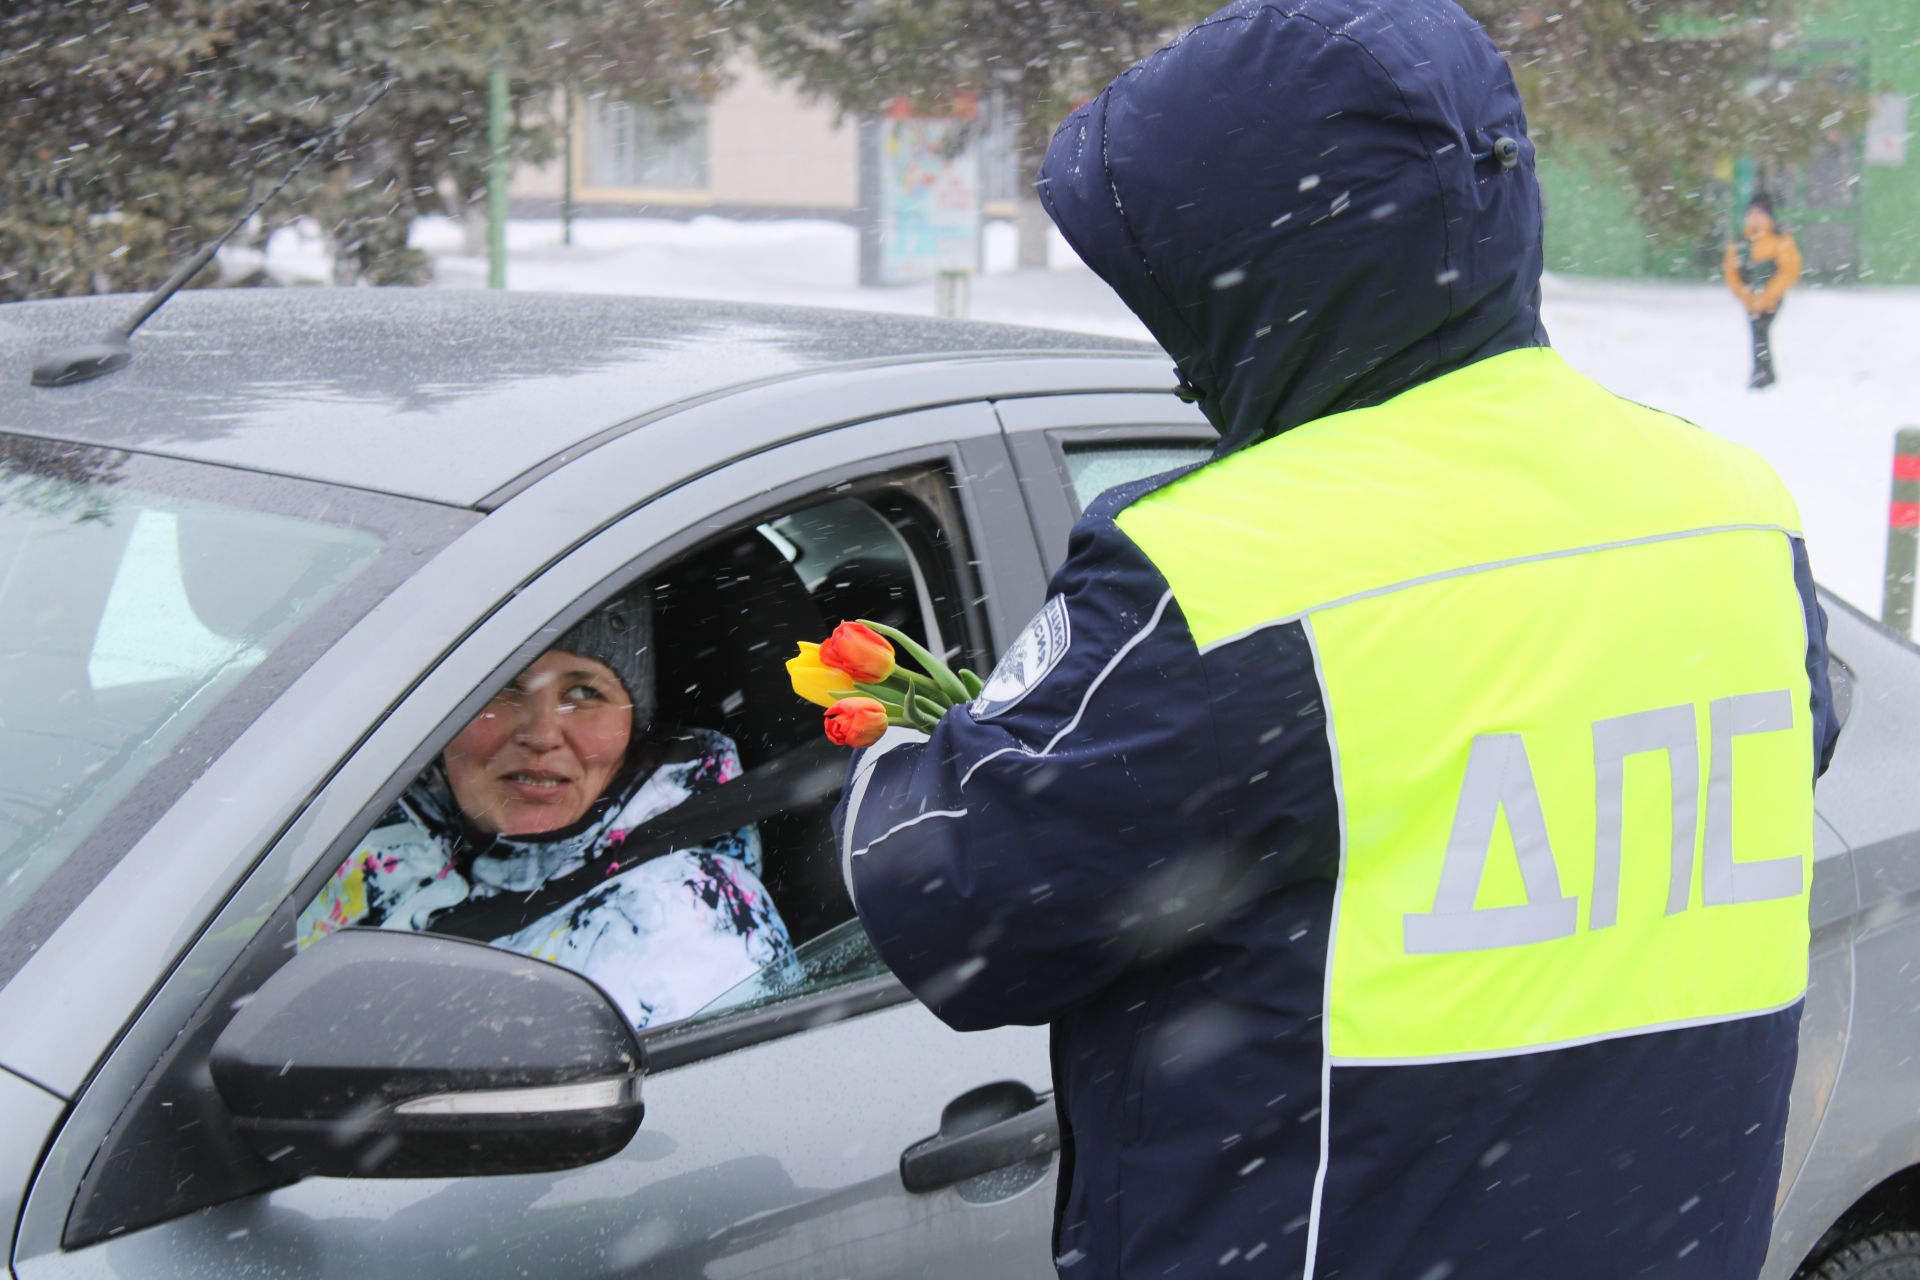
{"x": 923, "y": 687}
{"x": 941, "y": 675}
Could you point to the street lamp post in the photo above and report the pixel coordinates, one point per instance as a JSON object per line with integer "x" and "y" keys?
{"x": 497, "y": 176}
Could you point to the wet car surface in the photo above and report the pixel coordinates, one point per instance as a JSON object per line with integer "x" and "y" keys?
{"x": 259, "y": 577}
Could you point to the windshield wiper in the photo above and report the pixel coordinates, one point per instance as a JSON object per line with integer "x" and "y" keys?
{"x": 82, "y": 363}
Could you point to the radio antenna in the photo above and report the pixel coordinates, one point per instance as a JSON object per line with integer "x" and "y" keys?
{"x": 84, "y": 363}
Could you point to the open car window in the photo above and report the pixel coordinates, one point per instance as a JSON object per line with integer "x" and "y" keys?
{"x": 703, "y": 876}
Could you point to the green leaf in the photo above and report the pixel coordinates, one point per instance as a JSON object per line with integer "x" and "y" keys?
{"x": 918, "y": 716}
{"x": 887, "y": 698}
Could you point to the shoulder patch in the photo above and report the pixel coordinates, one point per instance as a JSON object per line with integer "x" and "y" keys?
{"x": 1029, "y": 660}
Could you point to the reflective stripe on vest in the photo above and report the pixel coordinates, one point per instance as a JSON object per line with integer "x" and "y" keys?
{"x": 1564, "y": 668}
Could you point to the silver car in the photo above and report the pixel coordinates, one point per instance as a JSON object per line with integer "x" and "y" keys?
{"x": 251, "y": 584}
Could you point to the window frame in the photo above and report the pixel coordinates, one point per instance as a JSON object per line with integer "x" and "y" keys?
{"x": 678, "y": 1044}
{"x": 875, "y": 477}
{"x": 909, "y": 478}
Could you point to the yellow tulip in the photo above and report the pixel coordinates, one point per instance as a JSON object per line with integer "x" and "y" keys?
{"x": 814, "y": 680}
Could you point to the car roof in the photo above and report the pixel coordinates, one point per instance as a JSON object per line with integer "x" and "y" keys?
{"x": 441, "y": 394}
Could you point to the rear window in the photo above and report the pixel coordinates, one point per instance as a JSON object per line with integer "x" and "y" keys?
{"x": 148, "y": 609}
{"x": 1094, "y": 468}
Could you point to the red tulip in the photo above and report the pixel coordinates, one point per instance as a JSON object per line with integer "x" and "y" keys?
{"x": 856, "y": 722}
{"x": 860, "y": 651}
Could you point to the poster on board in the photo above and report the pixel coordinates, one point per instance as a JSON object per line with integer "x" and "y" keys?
{"x": 1887, "y": 132}
{"x": 922, "y": 180}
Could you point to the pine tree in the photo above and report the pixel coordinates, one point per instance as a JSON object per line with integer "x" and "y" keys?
{"x": 130, "y": 134}
{"x": 1662, "y": 93}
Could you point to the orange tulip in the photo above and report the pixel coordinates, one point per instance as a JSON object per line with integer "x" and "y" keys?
{"x": 856, "y": 722}
{"x": 860, "y": 651}
{"x": 814, "y": 680}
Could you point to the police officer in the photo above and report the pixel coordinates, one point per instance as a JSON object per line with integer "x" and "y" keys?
{"x": 1404, "y": 819}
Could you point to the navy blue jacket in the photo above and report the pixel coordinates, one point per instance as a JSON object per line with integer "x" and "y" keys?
{"x": 1139, "y": 844}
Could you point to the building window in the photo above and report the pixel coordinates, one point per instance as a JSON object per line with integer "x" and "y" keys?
{"x": 637, "y": 145}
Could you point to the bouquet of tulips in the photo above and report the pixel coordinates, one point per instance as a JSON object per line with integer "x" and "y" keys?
{"x": 857, "y": 676}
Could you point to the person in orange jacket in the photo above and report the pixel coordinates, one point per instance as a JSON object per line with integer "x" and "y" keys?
{"x": 1760, "y": 270}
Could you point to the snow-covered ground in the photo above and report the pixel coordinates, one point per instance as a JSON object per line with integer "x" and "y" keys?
{"x": 1850, "y": 375}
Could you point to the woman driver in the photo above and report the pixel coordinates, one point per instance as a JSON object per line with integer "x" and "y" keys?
{"x": 549, "y": 777}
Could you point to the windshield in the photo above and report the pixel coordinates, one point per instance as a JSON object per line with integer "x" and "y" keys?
{"x": 134, "y": 606}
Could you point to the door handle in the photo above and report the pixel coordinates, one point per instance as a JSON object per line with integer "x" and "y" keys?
{"x": 984, "y": 1129}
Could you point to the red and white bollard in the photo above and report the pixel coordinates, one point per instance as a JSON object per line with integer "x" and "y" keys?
{"x": 1903, "y": 533}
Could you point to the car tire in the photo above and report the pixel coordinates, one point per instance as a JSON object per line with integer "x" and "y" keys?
{"x": 1891, "y": 1255}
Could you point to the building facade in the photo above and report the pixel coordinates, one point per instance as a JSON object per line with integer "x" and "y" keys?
{"x": 760, "y": 149}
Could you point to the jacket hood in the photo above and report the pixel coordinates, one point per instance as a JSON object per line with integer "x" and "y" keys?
{"x": 1312, "y": 204}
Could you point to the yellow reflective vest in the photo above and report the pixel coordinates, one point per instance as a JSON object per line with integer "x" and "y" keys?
{"x": 1570, "y": 728}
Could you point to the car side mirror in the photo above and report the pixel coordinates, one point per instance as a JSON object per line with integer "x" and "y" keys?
{"x": 378, "y": 1054}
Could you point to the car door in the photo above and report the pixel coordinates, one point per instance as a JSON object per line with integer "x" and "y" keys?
{"x": 1867, "y": 1133}
{"x": 1828, "y": 1013}
{"x": 818, "y": 1124}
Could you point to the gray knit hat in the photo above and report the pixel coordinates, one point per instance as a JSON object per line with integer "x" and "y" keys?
{"x": 620, "y": 634}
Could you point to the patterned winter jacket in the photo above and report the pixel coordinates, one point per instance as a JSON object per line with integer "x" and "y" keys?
{"x": 662, "y": 938}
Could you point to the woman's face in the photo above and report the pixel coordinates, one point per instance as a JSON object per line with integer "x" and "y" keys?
{"x": 537, "y": 757}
